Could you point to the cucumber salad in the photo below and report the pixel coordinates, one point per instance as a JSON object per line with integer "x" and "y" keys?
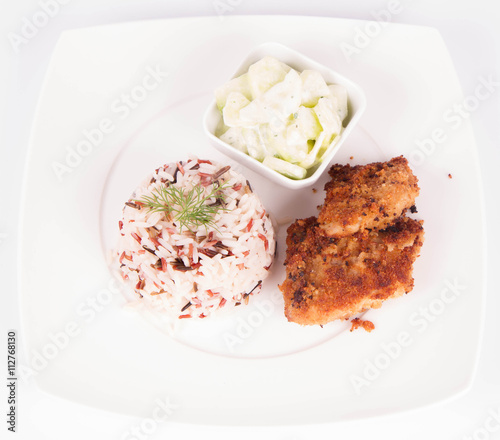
{"x": 287, "y": 120}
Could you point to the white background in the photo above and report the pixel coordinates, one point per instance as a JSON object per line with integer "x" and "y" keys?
{"x": 470, "y": 29}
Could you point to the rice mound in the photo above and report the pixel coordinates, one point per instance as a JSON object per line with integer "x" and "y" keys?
{"x": 190, "y": 272}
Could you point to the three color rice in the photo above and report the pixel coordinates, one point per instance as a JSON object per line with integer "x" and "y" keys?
{"x": 189, "y": 270}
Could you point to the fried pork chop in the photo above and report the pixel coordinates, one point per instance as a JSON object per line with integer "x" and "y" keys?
{"x": 367, "y": 196}
{"x": 332, "y": 278}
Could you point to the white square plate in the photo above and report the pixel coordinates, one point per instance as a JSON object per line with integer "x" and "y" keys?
{"x": 117, "y": 102}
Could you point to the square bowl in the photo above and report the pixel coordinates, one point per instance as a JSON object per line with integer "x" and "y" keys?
{"x": 356, "y": 102}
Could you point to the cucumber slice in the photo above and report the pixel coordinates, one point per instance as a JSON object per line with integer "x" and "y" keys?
{"x": 254, "y": 114}
{"x": 296, "y": 148}
{"x": 274, "y": 139}
{"x": 239, "y": 84}
{"x": 340, "y": 93}
{"x": 310, "y": 159}
{"x": 327, "y": 150}
{"x": 328, "y": 118}
{"x": 231, "y": 111}
{"x": 307, "y": 122}
{"x": 234, "y": 137}
{"x": 276, "y": 105}
{"x": 283, "y": 99}
{"x": 264, "y": 74}
{"x": 285, "y": 168}
{"x": 254, "y": 143}
{"x": 313, "y": 87}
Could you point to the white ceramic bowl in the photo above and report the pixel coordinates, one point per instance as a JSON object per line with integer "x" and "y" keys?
{"x": 356, "y": 106}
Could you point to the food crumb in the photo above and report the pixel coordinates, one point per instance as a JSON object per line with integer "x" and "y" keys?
{"x": 450, "y": 176}
{"x": 367, "y": 325}
{"x": 352, "y": 157}
{"x": 315, "y": 190}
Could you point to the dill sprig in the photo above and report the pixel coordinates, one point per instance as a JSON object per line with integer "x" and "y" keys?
{"x": 191, "y": 208}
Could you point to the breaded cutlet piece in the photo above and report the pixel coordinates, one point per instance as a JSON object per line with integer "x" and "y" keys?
{"x": 331, "y": 278}
{"x": 367, "y": 196}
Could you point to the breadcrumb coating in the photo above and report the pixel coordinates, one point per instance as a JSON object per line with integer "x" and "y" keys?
{"x": 360, "y": 250}
{"x": 367, "y": 196}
